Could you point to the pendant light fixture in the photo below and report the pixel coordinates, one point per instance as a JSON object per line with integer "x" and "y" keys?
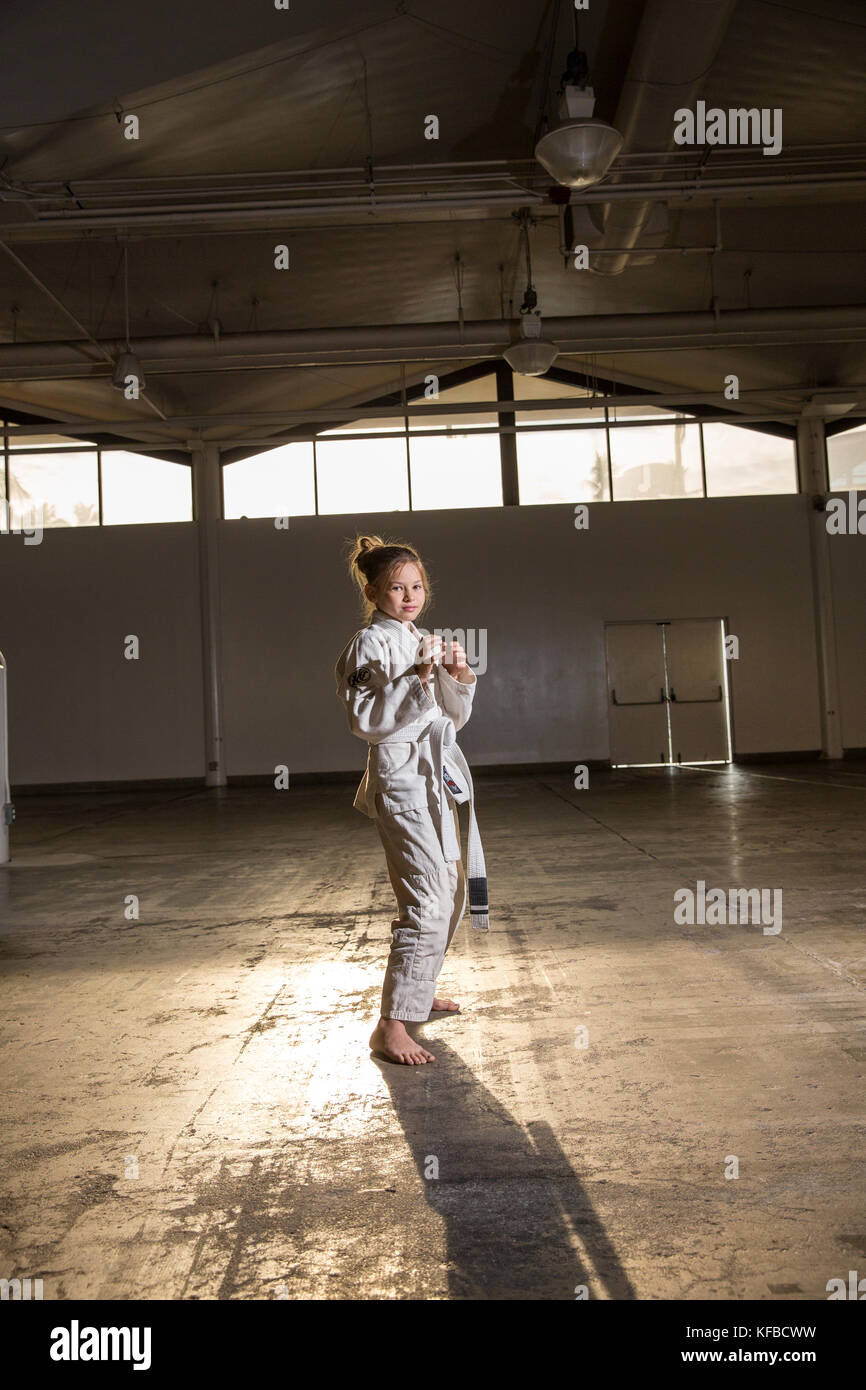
{"x": 580, "y": 150}
{"x": 127, "y": 364}
{"x": 531, "y": 355}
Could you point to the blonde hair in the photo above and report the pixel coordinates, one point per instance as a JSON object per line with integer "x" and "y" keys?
{"x": 373, "y": 560}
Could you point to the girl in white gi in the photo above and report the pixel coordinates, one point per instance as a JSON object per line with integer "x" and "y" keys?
{"x": 406, "y": 695}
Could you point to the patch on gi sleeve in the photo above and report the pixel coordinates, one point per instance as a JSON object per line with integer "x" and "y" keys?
{"x": 360, "y": 677}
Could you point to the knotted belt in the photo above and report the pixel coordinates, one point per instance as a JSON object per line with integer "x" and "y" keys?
{"x": 443, "y": 735}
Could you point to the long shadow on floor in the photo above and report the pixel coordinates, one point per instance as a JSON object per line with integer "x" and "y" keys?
{"x": 509, "y": 1198}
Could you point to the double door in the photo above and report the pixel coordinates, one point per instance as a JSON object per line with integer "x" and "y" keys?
{"x": 667, "y": 692}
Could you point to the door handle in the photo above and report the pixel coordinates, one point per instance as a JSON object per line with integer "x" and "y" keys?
{"x": 714, "y": 699}
{"x": 623, "y": 703}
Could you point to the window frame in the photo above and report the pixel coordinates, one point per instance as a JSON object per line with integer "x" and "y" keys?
{"x": 117, "y": 447}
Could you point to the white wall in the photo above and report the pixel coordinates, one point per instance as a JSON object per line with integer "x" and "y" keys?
{"x": 79, "y": 712}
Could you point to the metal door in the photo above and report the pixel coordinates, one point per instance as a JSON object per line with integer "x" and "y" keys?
{"x": 697, "y": 690}
{"x": 667, "y": 692}
{"x": 637, "y": 694}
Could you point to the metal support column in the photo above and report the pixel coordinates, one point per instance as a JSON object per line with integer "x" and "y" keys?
{"x": 507, "y": 442}
{"x": 207, "y": 495}
{"x": 7, "y": 810}
{"x": 812, "y": 459}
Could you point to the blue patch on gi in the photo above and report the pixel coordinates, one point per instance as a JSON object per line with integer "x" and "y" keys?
{"x": 451, "y": 784}
{"x": 360, "y": 677}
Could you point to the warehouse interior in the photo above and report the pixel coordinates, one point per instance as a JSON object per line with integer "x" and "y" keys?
{"x": 260, "y": 292}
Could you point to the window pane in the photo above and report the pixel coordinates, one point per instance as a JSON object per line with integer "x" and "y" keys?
{"x": 393, "y": 424}
{"x": 543, "y": 388}
{"x": 536, "y": 388}
{"x": 559, "y": 417}
{"x": 484, "y": 389}
{"x": 137, "y": 488}
{"x": 653, "y": 461}
{"x": 643, "y": 412}
{"x": 846, "y": 457}
{"x": 468, "y": 421}
{"x": 743, "y": 462}
{"x": 42, "y": 441}
{"x": 362, "y": 476}
{"x": 277, "y": 483}
{"x": 455, "y": 471}
{"x": 63, "y": 486}
{"x": 562, "y": 466}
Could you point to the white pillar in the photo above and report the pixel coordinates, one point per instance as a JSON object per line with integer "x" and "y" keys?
{"x": 206, "y": 499}
{"x": 812, "y": 456}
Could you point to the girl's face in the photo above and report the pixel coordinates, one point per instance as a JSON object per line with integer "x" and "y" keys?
{"x": 402, "y": 596}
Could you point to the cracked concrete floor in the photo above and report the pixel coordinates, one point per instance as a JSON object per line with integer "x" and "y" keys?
{"x": 190, "y": 1110}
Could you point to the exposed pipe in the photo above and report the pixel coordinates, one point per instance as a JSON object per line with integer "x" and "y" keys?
{"x": 245, "y": 216}
{"x": 58, "y": 304}
{"x": 482, "y": 338}
{"x": 109, "y": 356}
{"x": 677, "y": 43}
{"x": 58, "y": 209}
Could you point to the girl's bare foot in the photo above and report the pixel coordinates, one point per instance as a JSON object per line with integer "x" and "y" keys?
{"x": 445, "y": 1006}
{"x": 390, "y": 1037}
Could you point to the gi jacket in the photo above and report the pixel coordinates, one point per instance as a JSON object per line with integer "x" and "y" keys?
{"x": 383, "y": 697}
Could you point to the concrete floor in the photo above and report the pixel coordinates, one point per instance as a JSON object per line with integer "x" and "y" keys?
{"x": 191, "y": 1110}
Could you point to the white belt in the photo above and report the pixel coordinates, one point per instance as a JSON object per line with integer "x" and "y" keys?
{"x": 443, "y": 736}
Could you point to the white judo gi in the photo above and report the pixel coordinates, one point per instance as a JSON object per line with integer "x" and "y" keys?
{"x": 416, "y": 776}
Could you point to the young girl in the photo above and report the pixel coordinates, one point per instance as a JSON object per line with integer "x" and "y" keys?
{"x": 406, "y": 696}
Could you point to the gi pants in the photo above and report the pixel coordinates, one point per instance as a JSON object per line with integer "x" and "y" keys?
{"x": 431, "y": 899}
